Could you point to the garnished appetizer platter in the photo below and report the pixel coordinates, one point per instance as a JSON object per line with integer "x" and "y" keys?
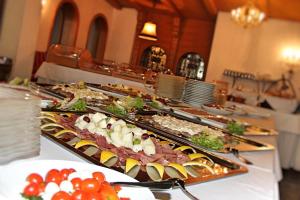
{"x": 123, "y": 146}
{"x": 232, "y": 125}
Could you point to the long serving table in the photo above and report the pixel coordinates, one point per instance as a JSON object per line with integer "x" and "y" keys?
{"x": 260, "y": 183}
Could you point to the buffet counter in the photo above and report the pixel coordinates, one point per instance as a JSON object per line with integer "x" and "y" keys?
{"x": 259, "y": 183}
{"x": 58, "y": 73}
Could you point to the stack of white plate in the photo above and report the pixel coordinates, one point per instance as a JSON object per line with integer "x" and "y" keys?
{"x": 198, "y": 93}
{"x": 19, "y": 125}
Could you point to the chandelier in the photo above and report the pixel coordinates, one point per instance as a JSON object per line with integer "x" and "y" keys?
{"x": 247, "y": 15}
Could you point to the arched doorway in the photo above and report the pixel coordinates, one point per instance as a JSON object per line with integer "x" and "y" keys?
{"x": 97, "y": 38}
{"x": 154, "y": 58}
{"x": 65, "y": 25}
{"x": 191, "y": 65}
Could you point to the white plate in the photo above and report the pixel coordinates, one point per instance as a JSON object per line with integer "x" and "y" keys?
{"x": 12, "y": 177}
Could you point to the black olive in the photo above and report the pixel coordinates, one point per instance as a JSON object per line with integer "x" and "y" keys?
{"x": 87, "y": 119}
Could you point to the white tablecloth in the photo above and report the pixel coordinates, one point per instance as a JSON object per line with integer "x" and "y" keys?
{"x": 259, "y": 184}
{"x": 53, "y": 72}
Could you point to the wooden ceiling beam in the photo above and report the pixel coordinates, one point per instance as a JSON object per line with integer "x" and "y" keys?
{"x": 175, "y": 8}
{"x": 211, "y": 7}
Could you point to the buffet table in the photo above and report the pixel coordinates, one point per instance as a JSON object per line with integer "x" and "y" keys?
{"x": 57, "y": 73}
{"x": 259, "y": 183}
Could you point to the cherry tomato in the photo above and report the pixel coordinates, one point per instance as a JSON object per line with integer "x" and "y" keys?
{"x": 53, "y": 176}
{"x": 42, "y": 187}
{"x": 124, "y": 198}
{"x": 76, "y": 182}
{"x": 65, "y": 173}
{"x": 90, "y": 185}
{"x": 99, "y": 176}
{"x": 108, "y": 192}
{"x": 72, "y": 170}
{"x": 117, "y": 188}
{"x": 34, "y": 178}
{"x": 79, "y": 195}
{"x": 61, "y": 195}
{"x": 94, "y": 196}
{"x": 31, "y": 190}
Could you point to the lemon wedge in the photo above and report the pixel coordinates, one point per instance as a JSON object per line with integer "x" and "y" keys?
{"x": 45, "y": 127}
{"x": 175, "y": 170}
{"x": 108, "y": 158}
{"x": 155, "y": 171}
{"x": 59, "y": 133}
{"x": 82, "y": 143}
{"x": 132, "y": 167}
{"x": 183, "y": 148}
{"x": 197, "y": 164}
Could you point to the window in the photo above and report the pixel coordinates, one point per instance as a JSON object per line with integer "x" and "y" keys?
{"x": 154, "y": 58}
{"x": 191, "y": 65}
{"x": 97, "y": 38}
{"x": 65, "y": 25}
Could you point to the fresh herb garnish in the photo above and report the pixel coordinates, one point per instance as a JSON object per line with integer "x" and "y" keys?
{"x": 31, "y": 197}
{"x": 79, "y": 105}
{"x": 136, "y": 141}
{"x": 207, "y": 140}
{"x": 117, "y": 110}
{"x": 236, "y": 128}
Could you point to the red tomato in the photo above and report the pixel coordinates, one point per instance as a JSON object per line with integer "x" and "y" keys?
{"x": 79, "y": 195}
{"x": 31, "y": 190}
{"x": 42, "y": 187}
{"x": 108, "y": 192}
{"x": 124, "y": 198}
{"x": 94, "y": 196}
{"x": 72, "y": 170}
{"x": 117, "y": 188}
{"x": 61, "y": 195}
{"x": 65, "y": 173}
{"x": 34, "y": 178}
{"x": 99, "y": 176}
{"x": 76, "y": 182}
{"x": 53, "y": 176}
{"x": 90, "y": 185}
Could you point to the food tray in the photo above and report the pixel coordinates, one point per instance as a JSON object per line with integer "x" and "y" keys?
{"x": 222, "y": 167}
{"x": 221, "y": 122}
{"x": 238, "y": 142}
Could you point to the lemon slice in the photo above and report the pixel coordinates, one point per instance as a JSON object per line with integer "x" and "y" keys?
{"x": 45, "y": 127}
{"x": 59, "y": 133}
{"x": 132, "y": 167}
{"x": 175, "y": 170}
{"x": 195, "y": 156}
{"x": 82, "y": 143}
{"x": 191, "y": 165}
{"x": 48, "y": 114}
{"x": 108, "y": 158}
{"x": 48, "y": 117}
{"x": 183, "y": 148}
{"x": 155, "y": 171}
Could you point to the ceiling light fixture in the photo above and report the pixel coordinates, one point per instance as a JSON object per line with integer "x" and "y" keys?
{"x": 149, "y": 32}
{"x": 248, "y": 15}
{"x": 149, "y": 29}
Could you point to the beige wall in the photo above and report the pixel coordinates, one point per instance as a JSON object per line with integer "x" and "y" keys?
{"x": 255, "y": 50}
{"x": 122, "y": 36}
{"x": 126, "y": 18}
{"x": 18, "y": 34}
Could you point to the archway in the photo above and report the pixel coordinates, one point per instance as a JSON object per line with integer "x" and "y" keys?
{"x": 65, "y": 25}
{"x": 191, "y": 65}
{"x": 154, "y": 57}
{"x": 97, "y": 38}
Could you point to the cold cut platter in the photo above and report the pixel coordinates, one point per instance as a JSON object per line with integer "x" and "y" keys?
{"x": 138, "y": 152}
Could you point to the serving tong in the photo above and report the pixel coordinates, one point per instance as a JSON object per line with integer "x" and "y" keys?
{"x": 236, "y": 153}
{"x": 162, "y": 185}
